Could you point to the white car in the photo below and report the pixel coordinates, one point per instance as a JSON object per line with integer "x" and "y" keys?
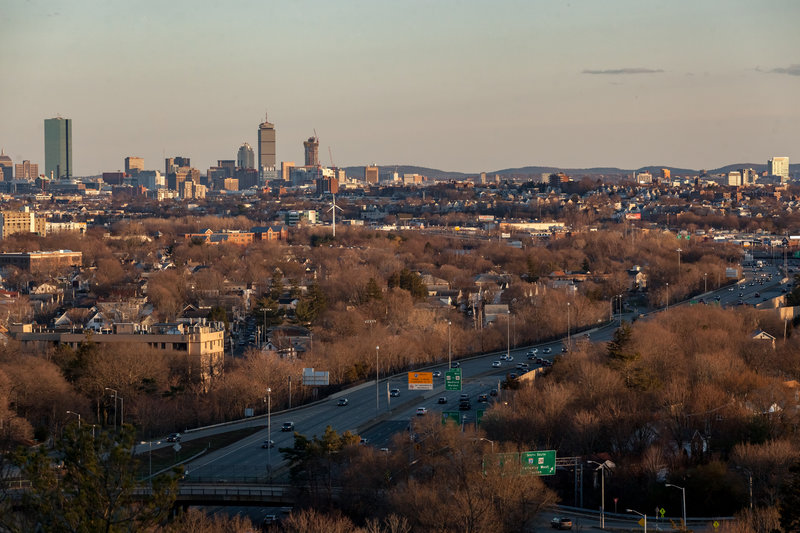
{"x": 546, "y": 350}
{"x": 496, "y": 364}
{"x": 422, "y": 411}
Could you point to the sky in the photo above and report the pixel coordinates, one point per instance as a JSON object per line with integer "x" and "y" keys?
{"x": 456, "y": 85}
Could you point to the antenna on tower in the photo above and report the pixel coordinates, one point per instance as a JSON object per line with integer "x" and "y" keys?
{"x": 333, "y": 209}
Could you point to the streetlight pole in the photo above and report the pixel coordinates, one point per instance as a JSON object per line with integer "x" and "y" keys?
{"x": 78, "y": 415}
{"x": 269, "y": 432}
{"x": 683, "y": 494}
{"x": 377, "y": 392}
{"x": 449, "y": 348}
{"x": 602, "y": 468}
{"x": 569, "y": 342}
{"x": 668, "y": 296}
{"x": 115, "y": 405}
{"x": 489, "y": 441}
{"x": 508, "y": 336}
{"x": 640, "y": 514}
{"x": 679, "y": 264}
{"x": 705, "y": 281}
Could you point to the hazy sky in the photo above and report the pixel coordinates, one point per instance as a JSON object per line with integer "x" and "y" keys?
{"x": 455, "y": 85}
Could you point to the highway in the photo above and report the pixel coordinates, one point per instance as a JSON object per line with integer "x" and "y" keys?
{"x": 372, "y": 414}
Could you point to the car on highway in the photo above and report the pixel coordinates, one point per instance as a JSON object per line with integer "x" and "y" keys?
{"x": 363, "y": 441}
{"x": 287, "y": 426}
{"x": 174, "y": 437}
{"x": 442, "y": 399}
{"x": 394, "y": 393}
{"x": 465, "y": 406}
{"x": 546, "y": 350}
{"x": 268, "y": 444}
{"x": 342, "y": 402}
{"x": 455, "y": 364}
{"x": 464, "y": 397}
{"x": 422, "y": 411}
{"x": 532, "y": 352}
{"x": 496, "y": 364}
{"x": 522, "y": 366}
{"x": 561, "y": 522}
{"x": 437, "y": 373}
{"x": 493, "y": 392}
{"x": 483, "y": 398}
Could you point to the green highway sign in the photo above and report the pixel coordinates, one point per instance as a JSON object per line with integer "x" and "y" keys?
{"x": 452, "y": 379}
{"x": 479, "y": 416}
{"x": 506, "y": 462}
{"x": 540, "y": 463}
{"x": 455, "y": 416}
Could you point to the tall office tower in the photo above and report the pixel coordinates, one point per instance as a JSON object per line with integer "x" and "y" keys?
{"x": 665, "y": 174}
{"x": 58, "y": 147}
{"x": 266, "y": 145}
{"x": 172, "y": 164}
{"x": 312, "y": 151}
{"x": 779, "y": 166}
{"x": 228, "y": 166}
{"x": 371, "y": 174}
{"x": 133, "y": 165}
{"x": 246, "y": 157}
{"x": 286, "y": 170}
{"x": 6, "y": 167}
{"x": 26, "y": 170}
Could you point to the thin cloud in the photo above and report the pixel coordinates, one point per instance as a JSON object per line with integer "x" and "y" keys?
{"x": 618, "y": 71}
{"x": 793, "y": 70}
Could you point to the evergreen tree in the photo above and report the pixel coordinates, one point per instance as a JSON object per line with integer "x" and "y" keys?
{"x": 94, "y": 486}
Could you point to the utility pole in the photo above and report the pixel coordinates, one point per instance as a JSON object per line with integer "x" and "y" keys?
{"x": 377, "y": 392}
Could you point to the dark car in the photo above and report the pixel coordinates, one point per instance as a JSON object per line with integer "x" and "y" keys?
{"x": 174, "y": 437}
{"x": 483, "y": 398}
{"x": 437, "y": 373}
{"x": 464, "y": 406}
{"x": 561, "y": 522}
{"x": 493, "y": 392}
{"x": 342, "y": 402}
{"x": 268, "y": 444}
{"x": 443, "y": 399}
{"x": 287, "y": 426}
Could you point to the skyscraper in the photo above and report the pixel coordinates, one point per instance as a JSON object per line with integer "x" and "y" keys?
{"x": 246, "y": 157}
{"x": 133, "y": 165}
{"x": 312, "y": 151}
{"x": 779, "y": 166}
{"x": 58, "y": 147}
{"x": 26, "y": 170}
{"x": 6, "y": 167}
{"x": 372, "y": 174}
{"x": 266, "y": 145}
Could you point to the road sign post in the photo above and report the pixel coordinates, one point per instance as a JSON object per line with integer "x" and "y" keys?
{"x": 452, "y": 379}
{"x": 539, "y": 463}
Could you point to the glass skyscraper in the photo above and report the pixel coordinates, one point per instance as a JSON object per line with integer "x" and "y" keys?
{"x": 58, "y": 147}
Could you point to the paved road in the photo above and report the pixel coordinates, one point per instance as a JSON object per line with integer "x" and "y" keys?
{"x": 374, "y": 415}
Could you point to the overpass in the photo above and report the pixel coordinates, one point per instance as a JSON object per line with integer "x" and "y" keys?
{"x": 230, "y": 494}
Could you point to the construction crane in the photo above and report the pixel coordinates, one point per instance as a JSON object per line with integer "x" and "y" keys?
{"x": 330, "y": 154}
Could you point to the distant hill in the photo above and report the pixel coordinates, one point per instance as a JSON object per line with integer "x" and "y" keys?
{"x": 536, "y": 171}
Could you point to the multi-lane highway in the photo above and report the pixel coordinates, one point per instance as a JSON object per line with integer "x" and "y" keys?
{"x": 376, "y": 416}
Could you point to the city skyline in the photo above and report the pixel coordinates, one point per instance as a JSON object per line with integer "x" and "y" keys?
{"x": 469, "y": 87}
